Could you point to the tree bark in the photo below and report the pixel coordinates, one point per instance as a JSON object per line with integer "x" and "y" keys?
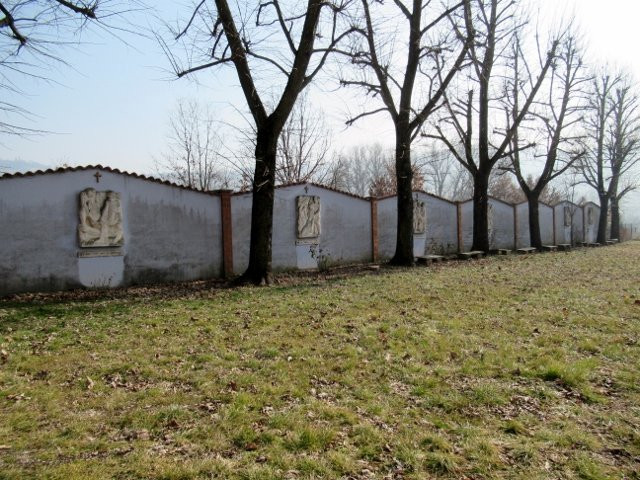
{"x": 602, "y": 222}
{"x": 259, "y": 270}
{"x": 480, "y": 212}
{"x": 533, "y": 200}
{"x": 404, "y": 173}
{"x": 615, "y": 218}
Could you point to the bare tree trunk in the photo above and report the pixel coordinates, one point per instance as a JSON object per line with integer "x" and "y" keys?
{"x": 259, "y": 269}
{"x": 533, "y": 199}
{"x": 404, "y": 174}
{"x": 602, "y": 222}
{"x": 481, "y": 212}
{"x": 615, "y": 218}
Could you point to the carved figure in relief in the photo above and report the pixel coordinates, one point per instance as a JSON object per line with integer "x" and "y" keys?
{"x": 100, "y": 219}
{"x": 567, "y": 216}
{"x": 419, "y": 217}
{"x": 308, "y": 221}
{"x": 589, "y": 215}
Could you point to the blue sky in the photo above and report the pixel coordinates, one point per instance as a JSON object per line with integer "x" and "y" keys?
{"x": 112, "y": 105}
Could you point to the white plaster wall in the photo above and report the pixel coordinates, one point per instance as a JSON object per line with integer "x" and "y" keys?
{"x": 591, "y": 229}
{"x": 441, "y": 234}
{"x": 546, "y": 224}
{"x": 467, "y": 225}
{"x": 170, "y": 234}
{"x": 545, "y": 215}
{"x": 345, "y": 229}
{"x": 522, "y": 225}
{"x": 442, "y": 225}
{"x": 572, "y": 234}
{"x": 387, "y": 226}
{"x": 501, "y": 235}
{"x": 241, "y": 230}
{"x": 576, "y": 233}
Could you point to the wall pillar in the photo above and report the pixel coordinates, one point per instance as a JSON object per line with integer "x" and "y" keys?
{"x": 553, "y": 210}
{"x": 227, "y": 234}
{"x": 515, "y": 227}
{"x": 374, "y": 228}
{"x": 584, "y": 224}
{"x": 459, "y": 224}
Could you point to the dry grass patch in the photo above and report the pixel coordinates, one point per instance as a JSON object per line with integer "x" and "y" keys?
{"x": 521, "y": 367}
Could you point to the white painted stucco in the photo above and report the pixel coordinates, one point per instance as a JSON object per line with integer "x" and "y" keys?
{"x": 170, "y": 233}
{"x": 345, "y": 229}
{"x": 572, "y": 233}
{"x": 591, "y": 227}
{"x": 501, "y": 235}
{"x": 440, "y": 237}
{"x": 545, "y": 216}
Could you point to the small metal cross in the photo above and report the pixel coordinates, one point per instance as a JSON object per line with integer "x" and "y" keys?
{"x": 97, "y": 175}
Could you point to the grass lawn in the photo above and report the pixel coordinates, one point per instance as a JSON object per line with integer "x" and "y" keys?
{"x": 509, "y": 367}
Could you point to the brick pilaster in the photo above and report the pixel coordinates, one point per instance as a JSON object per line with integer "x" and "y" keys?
{"x": 227, "y": 234}
{"x": 553, "y": 209}
{"x": 515, "y": 227}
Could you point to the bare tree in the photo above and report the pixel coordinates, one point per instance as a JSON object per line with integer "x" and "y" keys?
{"x": 273, "y": 43}
{"x": 384, "y": 180}
{"x": 445, "y": 176}
{"x": 304, "y": 151}
{"x": 612, "y": 143}
{"x": 558, "y": 114}
{"x": 193, "y": 158}
{"x": 624, "y": 149}
{"x": 438, "y": 170}
{"x": 35, "y": 33}
{"x": 503, "y": 186}
{"x": 354, "y": 169}
{"x": 395, "y": 77}
{"x": 494, "y": 25}
{"x": 304, "y": 147}
{"x": 369, "y": 169}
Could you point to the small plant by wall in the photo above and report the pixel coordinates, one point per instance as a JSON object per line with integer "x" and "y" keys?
{"x": 322, "y": 258}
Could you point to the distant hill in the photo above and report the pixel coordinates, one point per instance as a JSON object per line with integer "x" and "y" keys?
{"x": 13, "y": 166}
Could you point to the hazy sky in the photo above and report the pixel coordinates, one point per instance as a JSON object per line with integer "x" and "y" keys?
{"x": 112, "y": 106}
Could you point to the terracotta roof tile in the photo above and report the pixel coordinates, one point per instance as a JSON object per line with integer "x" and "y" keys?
{"x": 106, "y": 169}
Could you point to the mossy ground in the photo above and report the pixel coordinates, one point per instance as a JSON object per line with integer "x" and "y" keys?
{"x": 510, "y": 367}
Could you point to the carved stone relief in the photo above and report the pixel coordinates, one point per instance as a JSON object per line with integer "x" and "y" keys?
{"x": 567, "y": 216}
{"x": 419, "y": 217}
{"x": 100, "y": 219}
{"x": 589, "y": 215}
{"x": 308, "y": 221}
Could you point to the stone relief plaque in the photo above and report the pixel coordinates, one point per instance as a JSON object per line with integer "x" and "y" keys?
{"x": 100, "y": 219}
{"x": 419, "y": 217}
{"x": 567, "y": 216}
{"x": 308, "y": 221}
{"x": 101, "y": 252}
